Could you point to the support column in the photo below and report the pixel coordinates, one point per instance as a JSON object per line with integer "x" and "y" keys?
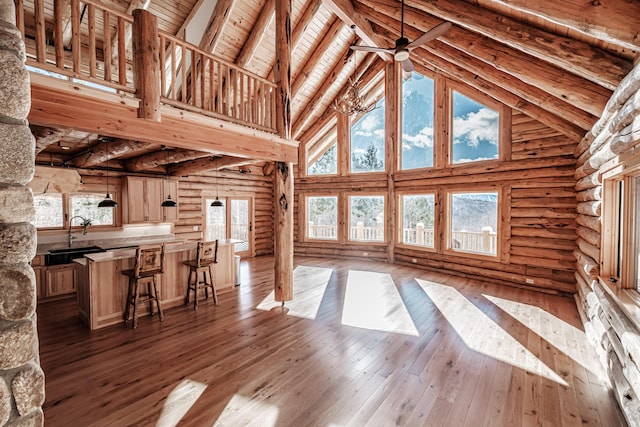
{"x": 392, "y": 94}
{"x": 21, "y": 378}
{"x": 146, "y": 64}
{"x": 283, "y": 177}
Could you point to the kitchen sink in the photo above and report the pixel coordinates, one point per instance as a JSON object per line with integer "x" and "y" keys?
{"x": 67, "y": 255}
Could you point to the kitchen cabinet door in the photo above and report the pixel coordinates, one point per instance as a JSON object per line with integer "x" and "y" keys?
{"x": 144, "y": 197}
{"x": 60, "y": 280}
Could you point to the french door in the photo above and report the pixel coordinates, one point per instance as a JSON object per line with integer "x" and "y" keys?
{"x": 234, "y": 220}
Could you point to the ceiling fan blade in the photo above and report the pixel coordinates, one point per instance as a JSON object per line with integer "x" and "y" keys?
{"x": 407, "y": 66}
{"x": 371, "y": 49}
{"x": 433, "y": 33}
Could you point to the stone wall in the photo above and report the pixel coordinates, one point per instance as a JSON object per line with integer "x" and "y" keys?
{"x": 21, "y": 378}
{"x": 613, "y": 334}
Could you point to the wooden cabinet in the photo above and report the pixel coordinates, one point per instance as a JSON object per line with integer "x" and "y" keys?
{"x": 60, "y": 280}
{"x": 38, "y": 269}
{"x": 143, "y": 199}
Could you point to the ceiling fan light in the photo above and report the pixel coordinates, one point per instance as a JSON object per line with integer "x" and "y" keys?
{"x": 401, "y": 55}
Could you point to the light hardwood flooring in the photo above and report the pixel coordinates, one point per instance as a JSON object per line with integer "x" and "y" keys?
{"x": 363, "y": 343}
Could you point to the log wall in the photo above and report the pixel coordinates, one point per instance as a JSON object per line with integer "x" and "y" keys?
{"x": 608, "y": 324}
{"x": 538, "y": 211}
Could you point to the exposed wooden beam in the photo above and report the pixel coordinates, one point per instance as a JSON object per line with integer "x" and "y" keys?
{"x": 487, "y": 71}
{"x": 194, "y": 167}
{"x": 576, "y": 56}
{"x": 78, "y": 107}
{"x": 45, "y": 136}
{"x": 194, "y": 10}
{"x": 258, "y": 31}
{"x": 565, "y": 86}
{"x": 614, "y": 21}
{"x": 219, "y": 17}
{"x": 101, "y": 152}
{"x": 303, "y": 23}
{"x": 312, "y": 60}
{"x": 161, "y": 158}
{"x": 64, "y": 10}
{"x": 345, "y": 11}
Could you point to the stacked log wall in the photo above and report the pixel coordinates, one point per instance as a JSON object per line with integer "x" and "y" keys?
{"x": 608, "y": 324}
{"x": 538, "y": 211}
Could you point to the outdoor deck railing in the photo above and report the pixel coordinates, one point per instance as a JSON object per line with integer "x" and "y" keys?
{"x": 84, "y": 41}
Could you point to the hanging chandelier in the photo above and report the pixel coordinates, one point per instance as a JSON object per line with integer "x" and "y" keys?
{"x": 352, "y": 101}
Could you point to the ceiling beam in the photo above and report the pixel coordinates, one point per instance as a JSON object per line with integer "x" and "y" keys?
{"x": 45, "y": 136}
{"x": 303, "y": 23}
{"x": 345, "y": 11}
{"x": 563, "y": 85}
{"x": 313, "y": 59}
{"x": 576, "y": 56}
{"x": 536, "y": 103}
{"x": 161, "y": 158}
{"x": 215, "y": 26}
{"x": 613, "y": 21}
{"x": 487, "y": 71}
{"x": 265, "y": 18}
{"x": 194, "y": 167}
{"x": 101, "y": 152}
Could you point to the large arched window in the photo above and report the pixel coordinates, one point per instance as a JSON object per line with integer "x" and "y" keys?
{"x": 417, "y": 122}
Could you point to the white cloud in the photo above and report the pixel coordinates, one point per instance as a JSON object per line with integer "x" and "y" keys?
{"x": 369, "y": 123}
{"x": 424, "y": 138}
{"x": 474, "y": 127}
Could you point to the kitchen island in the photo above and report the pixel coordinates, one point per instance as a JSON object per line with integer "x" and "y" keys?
{"x": 102, "y": 288}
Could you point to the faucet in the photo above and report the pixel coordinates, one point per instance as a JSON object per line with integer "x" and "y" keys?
{"x": 85, "y": 224}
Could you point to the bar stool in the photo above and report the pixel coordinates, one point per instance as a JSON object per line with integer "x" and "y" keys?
{"x": 149, "y": 263}
{"x": 206, "y": 257}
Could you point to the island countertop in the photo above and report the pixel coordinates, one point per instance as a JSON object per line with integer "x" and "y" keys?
{"x": 102, "y": 288}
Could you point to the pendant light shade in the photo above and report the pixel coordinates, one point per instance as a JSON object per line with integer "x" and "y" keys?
{"x": 169, "y": 203}
{"x": 108, "y": 202}
{"x": 217, "y": 203}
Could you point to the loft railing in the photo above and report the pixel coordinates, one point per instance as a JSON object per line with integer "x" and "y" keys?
{"x": 86, "y": 42}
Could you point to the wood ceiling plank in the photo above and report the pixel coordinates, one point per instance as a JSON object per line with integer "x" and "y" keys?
{"x": 563, "y": 85}
{"x": 309, "y": 13}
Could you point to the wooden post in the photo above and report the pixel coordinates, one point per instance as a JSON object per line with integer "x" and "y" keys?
{"x": 392, "y": 92}
{"x": 146, "y": 64}
{"x": 486, "y": 239}
{"x": 283, "y": 185}
{"x": 420, "y": 233}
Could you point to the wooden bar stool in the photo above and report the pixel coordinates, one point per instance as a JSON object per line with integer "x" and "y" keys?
{"x": 206, "y": 257}
{"x": 149, "y": 263}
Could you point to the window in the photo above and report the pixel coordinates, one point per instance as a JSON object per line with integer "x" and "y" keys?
{"x": 475, "y": 131}
{"x": 49, "y": 210}
{"x": 322, "y": 217}
{"x": 473, "y": 222}
{"x": 366, "y": 218}
{"x": 326, "y": 163}
{"x": 417, "y": 122}
{"x": 418, "y": 213}
{"x": 86, "y": 206}
{"x": 367, "y": 141}
{"x": 216, "y": 222}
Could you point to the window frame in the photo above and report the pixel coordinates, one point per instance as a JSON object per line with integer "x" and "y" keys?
{"x": 347, "y": 220}
{"x": 399, "y": 220}
{"x": 447, "y": 237}
{"x": 504, "y": 124}
{"x": 303, "y": 217}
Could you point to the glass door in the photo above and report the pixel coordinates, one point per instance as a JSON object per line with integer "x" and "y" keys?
{"x": 234, "y": 220}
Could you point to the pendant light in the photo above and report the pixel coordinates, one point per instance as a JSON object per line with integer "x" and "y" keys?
{"x": 217, "y": 203}
{"x": 168, "y": 203}
{"x": 108, "y": 202}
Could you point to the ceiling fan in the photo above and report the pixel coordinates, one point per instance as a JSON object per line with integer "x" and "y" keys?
{"x": 402, "y": 48}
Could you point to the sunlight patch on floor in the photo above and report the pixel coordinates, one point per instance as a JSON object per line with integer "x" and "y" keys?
{"x": 565, "y": 337}
{"x": 309, "y": 285}
{"x": 373, "y": 302}
{"x": 481, "y": 333}
{"x": 179, "y": 401}
{"x": 243, "y": 411}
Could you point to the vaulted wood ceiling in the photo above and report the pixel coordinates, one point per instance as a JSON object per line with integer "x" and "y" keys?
{"x": 555, "y": 61}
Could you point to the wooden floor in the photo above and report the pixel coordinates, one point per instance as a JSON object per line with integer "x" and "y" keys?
{"x": 375, "y": 344}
